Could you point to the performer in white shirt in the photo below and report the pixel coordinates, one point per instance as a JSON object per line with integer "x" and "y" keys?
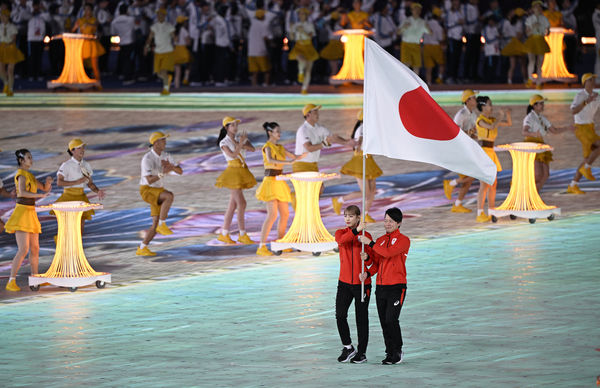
{"x": 163, "y": 35}
{"x": 465, "y": 119}
{"x": 432, "y": 47}
{"x": 156, "y": 163}
{"x": 74, "y": 175}
{"x": 412, "y": 31}
{"x": 584, "y": 108}
{"x": 537, "y": 26}
{"x": 535, "y": 127}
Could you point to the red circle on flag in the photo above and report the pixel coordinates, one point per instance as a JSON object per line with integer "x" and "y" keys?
{"x": 424, "y": 118}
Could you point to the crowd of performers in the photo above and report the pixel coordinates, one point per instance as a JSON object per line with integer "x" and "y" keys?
{"x": 476, "y": 118}
{"x": 220, "y": 42}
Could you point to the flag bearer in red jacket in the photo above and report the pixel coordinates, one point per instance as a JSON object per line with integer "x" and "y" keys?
{"x": 349, "y": 287}
{"x": 389, "y": 256}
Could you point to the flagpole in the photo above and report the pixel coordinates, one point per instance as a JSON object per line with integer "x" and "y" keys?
{"x": 362, "y": 283}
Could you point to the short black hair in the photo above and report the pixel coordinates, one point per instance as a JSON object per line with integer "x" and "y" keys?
{"x": 395, "y": 214}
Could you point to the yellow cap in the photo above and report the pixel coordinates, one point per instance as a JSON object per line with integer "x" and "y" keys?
{"x": 536, "y": 2}
{"x": 359, "y": 115}
{"x": 536, "y": 98}
{"x": 305, "y": 11}
{"x": 181, "y": 19}
{"x": 228, "y": 120}
{"x": 416, "y": 5}
{"x": 335, "y": 15}
{"x": 157, "y": 136}
{"x": 260, "y": 13}
{"x": 76, "y": 143}
{"x": 468, "y": 93}
{"x": 519, "y": 12}
{"x": 308, "y": 107}
{"x": 161, "y": 11}
{"x": 587, "y": 76}
{"x": 437, "y": 11}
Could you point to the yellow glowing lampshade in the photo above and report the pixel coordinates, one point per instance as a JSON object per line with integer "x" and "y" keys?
{"x": 307, "y": 232}
{"x": 73, "y": 73}
{"x": 115, "y": 39}
{"x": 523, "y": 199}
{"x": 554, "y": 67}
{"x": 69, "y": 267}
{"x": 353, "y": 67}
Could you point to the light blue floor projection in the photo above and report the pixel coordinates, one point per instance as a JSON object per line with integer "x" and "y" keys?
{"x": 514, "y": 306}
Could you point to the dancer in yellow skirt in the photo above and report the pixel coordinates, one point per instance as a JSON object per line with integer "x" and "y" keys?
{"x": 537, "y": 26}
{"x": 354, "y": 168}
{"x": 584, "y": 108}
{"x": 236, "y": 177}
{"x": 304, "y": 52}
{"x": 92, "y": 49}
{"x": 535, "y": 127}
{"x": 74, "y": 175}
{"x": 276, "y": 193}
{"x": 487, "y": 131}
{"x": 10, "y": 55}
{"x": 333, "y": 52}
{"x": 156, "y": 163}
{"x": 24, "y": 222}
{"x": 181, "y": 54}
{"x": 512, "y": 47}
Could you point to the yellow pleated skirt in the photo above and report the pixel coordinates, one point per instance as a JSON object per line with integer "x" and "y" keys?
{"x": 536, "y": 44}
{"x": 544, "y": 157}
{"x": 25, "y": 219}
{"x": 236, "y": 176}
{"x": 76, "y": 194}
{"x": 305, "y": 50}
{"x": 92, "y": 49}
{"x": 354, "y": 167}
{"x": 181, "y": 55}
{"x": 514, "y": 48}
{"x": 492, "y": 154}
{"x": 334, "y": 50}
{"x": 272, "y": 189}
{"x": 10, "y": 54}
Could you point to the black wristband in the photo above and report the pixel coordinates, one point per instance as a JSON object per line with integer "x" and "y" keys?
{"x": 372, "y": 244}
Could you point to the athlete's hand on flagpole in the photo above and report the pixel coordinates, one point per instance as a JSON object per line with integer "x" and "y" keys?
{"x": 361, "y": 225}
{"x": 362, "y": 276}
{"x": 364, "y": 256}
{"x": 364, "y": 239}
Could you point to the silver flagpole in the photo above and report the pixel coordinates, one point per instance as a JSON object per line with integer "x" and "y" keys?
{"x": 362, "y": 283}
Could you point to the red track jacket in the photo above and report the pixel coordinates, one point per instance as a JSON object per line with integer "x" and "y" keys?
{"x": 389, "y": 256}
{"x": 350, "y": 261}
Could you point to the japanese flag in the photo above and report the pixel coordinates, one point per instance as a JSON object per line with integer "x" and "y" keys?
{"x": 402, "y": 121}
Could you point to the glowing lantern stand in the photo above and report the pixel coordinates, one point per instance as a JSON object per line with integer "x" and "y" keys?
{"x": 353, "y": 68}
{"x": 307, "y": 232}
{"x": 73, "y": 73}
{"x": 70, "y": 267}
{"x": 523, "y": 199}
{"x": 554, "y": 68}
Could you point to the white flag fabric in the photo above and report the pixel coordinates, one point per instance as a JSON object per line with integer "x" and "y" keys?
{"x": 402, "y": 121}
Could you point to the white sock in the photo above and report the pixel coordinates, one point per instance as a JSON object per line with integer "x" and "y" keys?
{"x": 458, "y": 202}
{"x": 224, "y": 232}
{"x": 341, "y": 199}
{"x": 348, "y": 346}
{"x": 11, "y": 279}
{"x": 142, "y": 246}
{"x": 479, "y": 212}
{"x": 160, "y": 222}
{"x": 586, "y": 165}
{"x": 261, "y": 245}
{"x": 573, "y": 183}
{"x": 242, "y": 232}
{"x": 453, "y": 182}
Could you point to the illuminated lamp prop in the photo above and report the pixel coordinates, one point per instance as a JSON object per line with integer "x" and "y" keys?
{"x": 554, "y": 68}
{"x": 73, "y": 74}
{"x": 523, "y": 199}
{"x": 307, "y": 232}
{"x": 69, "y": 267}
{"x": 353, "y": 67}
